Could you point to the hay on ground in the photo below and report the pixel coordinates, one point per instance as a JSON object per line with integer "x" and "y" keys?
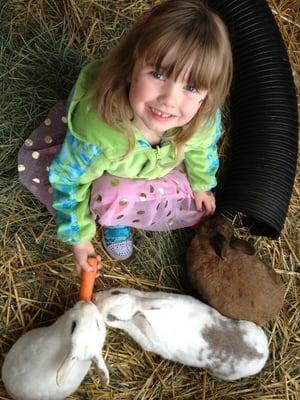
{"x": 43, "y": 46}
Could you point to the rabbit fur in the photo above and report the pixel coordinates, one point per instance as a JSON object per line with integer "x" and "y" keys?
{"x": 183, "y": 329}
{"x": 49, "y": 363}
{"x": 227, "y": 275}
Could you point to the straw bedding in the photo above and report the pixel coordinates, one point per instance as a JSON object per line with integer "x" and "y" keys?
{"x": 43, "y": 45}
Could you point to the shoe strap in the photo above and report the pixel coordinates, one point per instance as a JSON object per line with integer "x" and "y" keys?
{"x": 116, "y": 234}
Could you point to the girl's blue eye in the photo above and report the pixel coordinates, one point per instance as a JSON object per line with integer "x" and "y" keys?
{"x": 158, "y": 75}
{"x": 191, "y": 88}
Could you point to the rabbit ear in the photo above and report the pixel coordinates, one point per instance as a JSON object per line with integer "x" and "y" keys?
{"x": 66, "y": 367}
{"x": 242, "y": 245}
{"x": 101, "y": 369}
{"x": 220, "y": 245}
{"x": 70, "y": 360}
{"x": 143, "y": 325}
{"x": 123, "y": 307}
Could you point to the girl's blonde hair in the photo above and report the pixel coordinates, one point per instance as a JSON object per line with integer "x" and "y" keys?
{"x": 196, "y": 34}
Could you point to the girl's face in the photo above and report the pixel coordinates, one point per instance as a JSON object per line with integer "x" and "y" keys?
{"x": 160, "y": 103}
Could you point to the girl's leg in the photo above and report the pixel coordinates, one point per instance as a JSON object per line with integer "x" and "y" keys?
{"x": 160, "y": 204}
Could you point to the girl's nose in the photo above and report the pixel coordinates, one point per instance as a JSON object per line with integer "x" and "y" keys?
{"x": 169, "y": 94}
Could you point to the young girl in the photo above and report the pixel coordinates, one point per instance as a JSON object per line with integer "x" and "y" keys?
{"x": 142, "y": 126}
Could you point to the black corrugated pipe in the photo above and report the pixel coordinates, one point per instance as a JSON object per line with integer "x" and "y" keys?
{"x": 259, "y": 177}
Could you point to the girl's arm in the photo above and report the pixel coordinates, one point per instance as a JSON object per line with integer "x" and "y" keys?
{"x": 202, "y": 162}
{"x": 71, "y": 176}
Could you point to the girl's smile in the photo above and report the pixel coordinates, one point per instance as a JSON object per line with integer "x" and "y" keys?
{"x": 160, "y": 115}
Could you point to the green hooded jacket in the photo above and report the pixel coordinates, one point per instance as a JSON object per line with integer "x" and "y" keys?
{"x": 92, "y": 147}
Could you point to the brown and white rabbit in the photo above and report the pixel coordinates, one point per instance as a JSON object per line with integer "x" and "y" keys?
{"x": 49, "y": 363}
{"x": 227, "y": 275}
{"x": 183, "y": 329}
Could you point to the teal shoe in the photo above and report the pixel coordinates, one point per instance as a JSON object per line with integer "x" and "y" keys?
{"x": 117, "y": 241}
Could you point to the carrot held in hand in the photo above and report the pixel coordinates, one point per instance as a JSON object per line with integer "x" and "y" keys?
{"x": 88, "y": 280}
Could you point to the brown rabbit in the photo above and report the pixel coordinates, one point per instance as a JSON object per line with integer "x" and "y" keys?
{"x": 228, "y": 276}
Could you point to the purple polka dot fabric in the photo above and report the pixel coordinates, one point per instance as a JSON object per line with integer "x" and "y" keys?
{"x": 37, "y": 152}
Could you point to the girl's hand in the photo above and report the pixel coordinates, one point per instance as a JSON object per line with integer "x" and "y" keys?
{"x": 205, "y": 201}
{"x": 81, "y": 252}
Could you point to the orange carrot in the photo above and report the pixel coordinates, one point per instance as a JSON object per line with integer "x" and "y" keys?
{"x": 88, "y": 280}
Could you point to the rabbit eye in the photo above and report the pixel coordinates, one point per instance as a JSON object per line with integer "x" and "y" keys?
{"x": 73, "y": 326}
{"x": 111, "y": 317}
{"x": 114, "y": 292}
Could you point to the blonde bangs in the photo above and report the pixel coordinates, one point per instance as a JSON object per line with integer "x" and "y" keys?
{"x": 205, "y": 56}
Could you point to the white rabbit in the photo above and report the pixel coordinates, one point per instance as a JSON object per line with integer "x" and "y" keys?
{"x": 50, "y": 363}
{"x": 183, "y": 329}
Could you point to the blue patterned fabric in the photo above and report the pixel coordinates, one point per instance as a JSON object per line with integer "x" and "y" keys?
{"x": 66, "y": 175}
{"x": 202, "y": 162}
